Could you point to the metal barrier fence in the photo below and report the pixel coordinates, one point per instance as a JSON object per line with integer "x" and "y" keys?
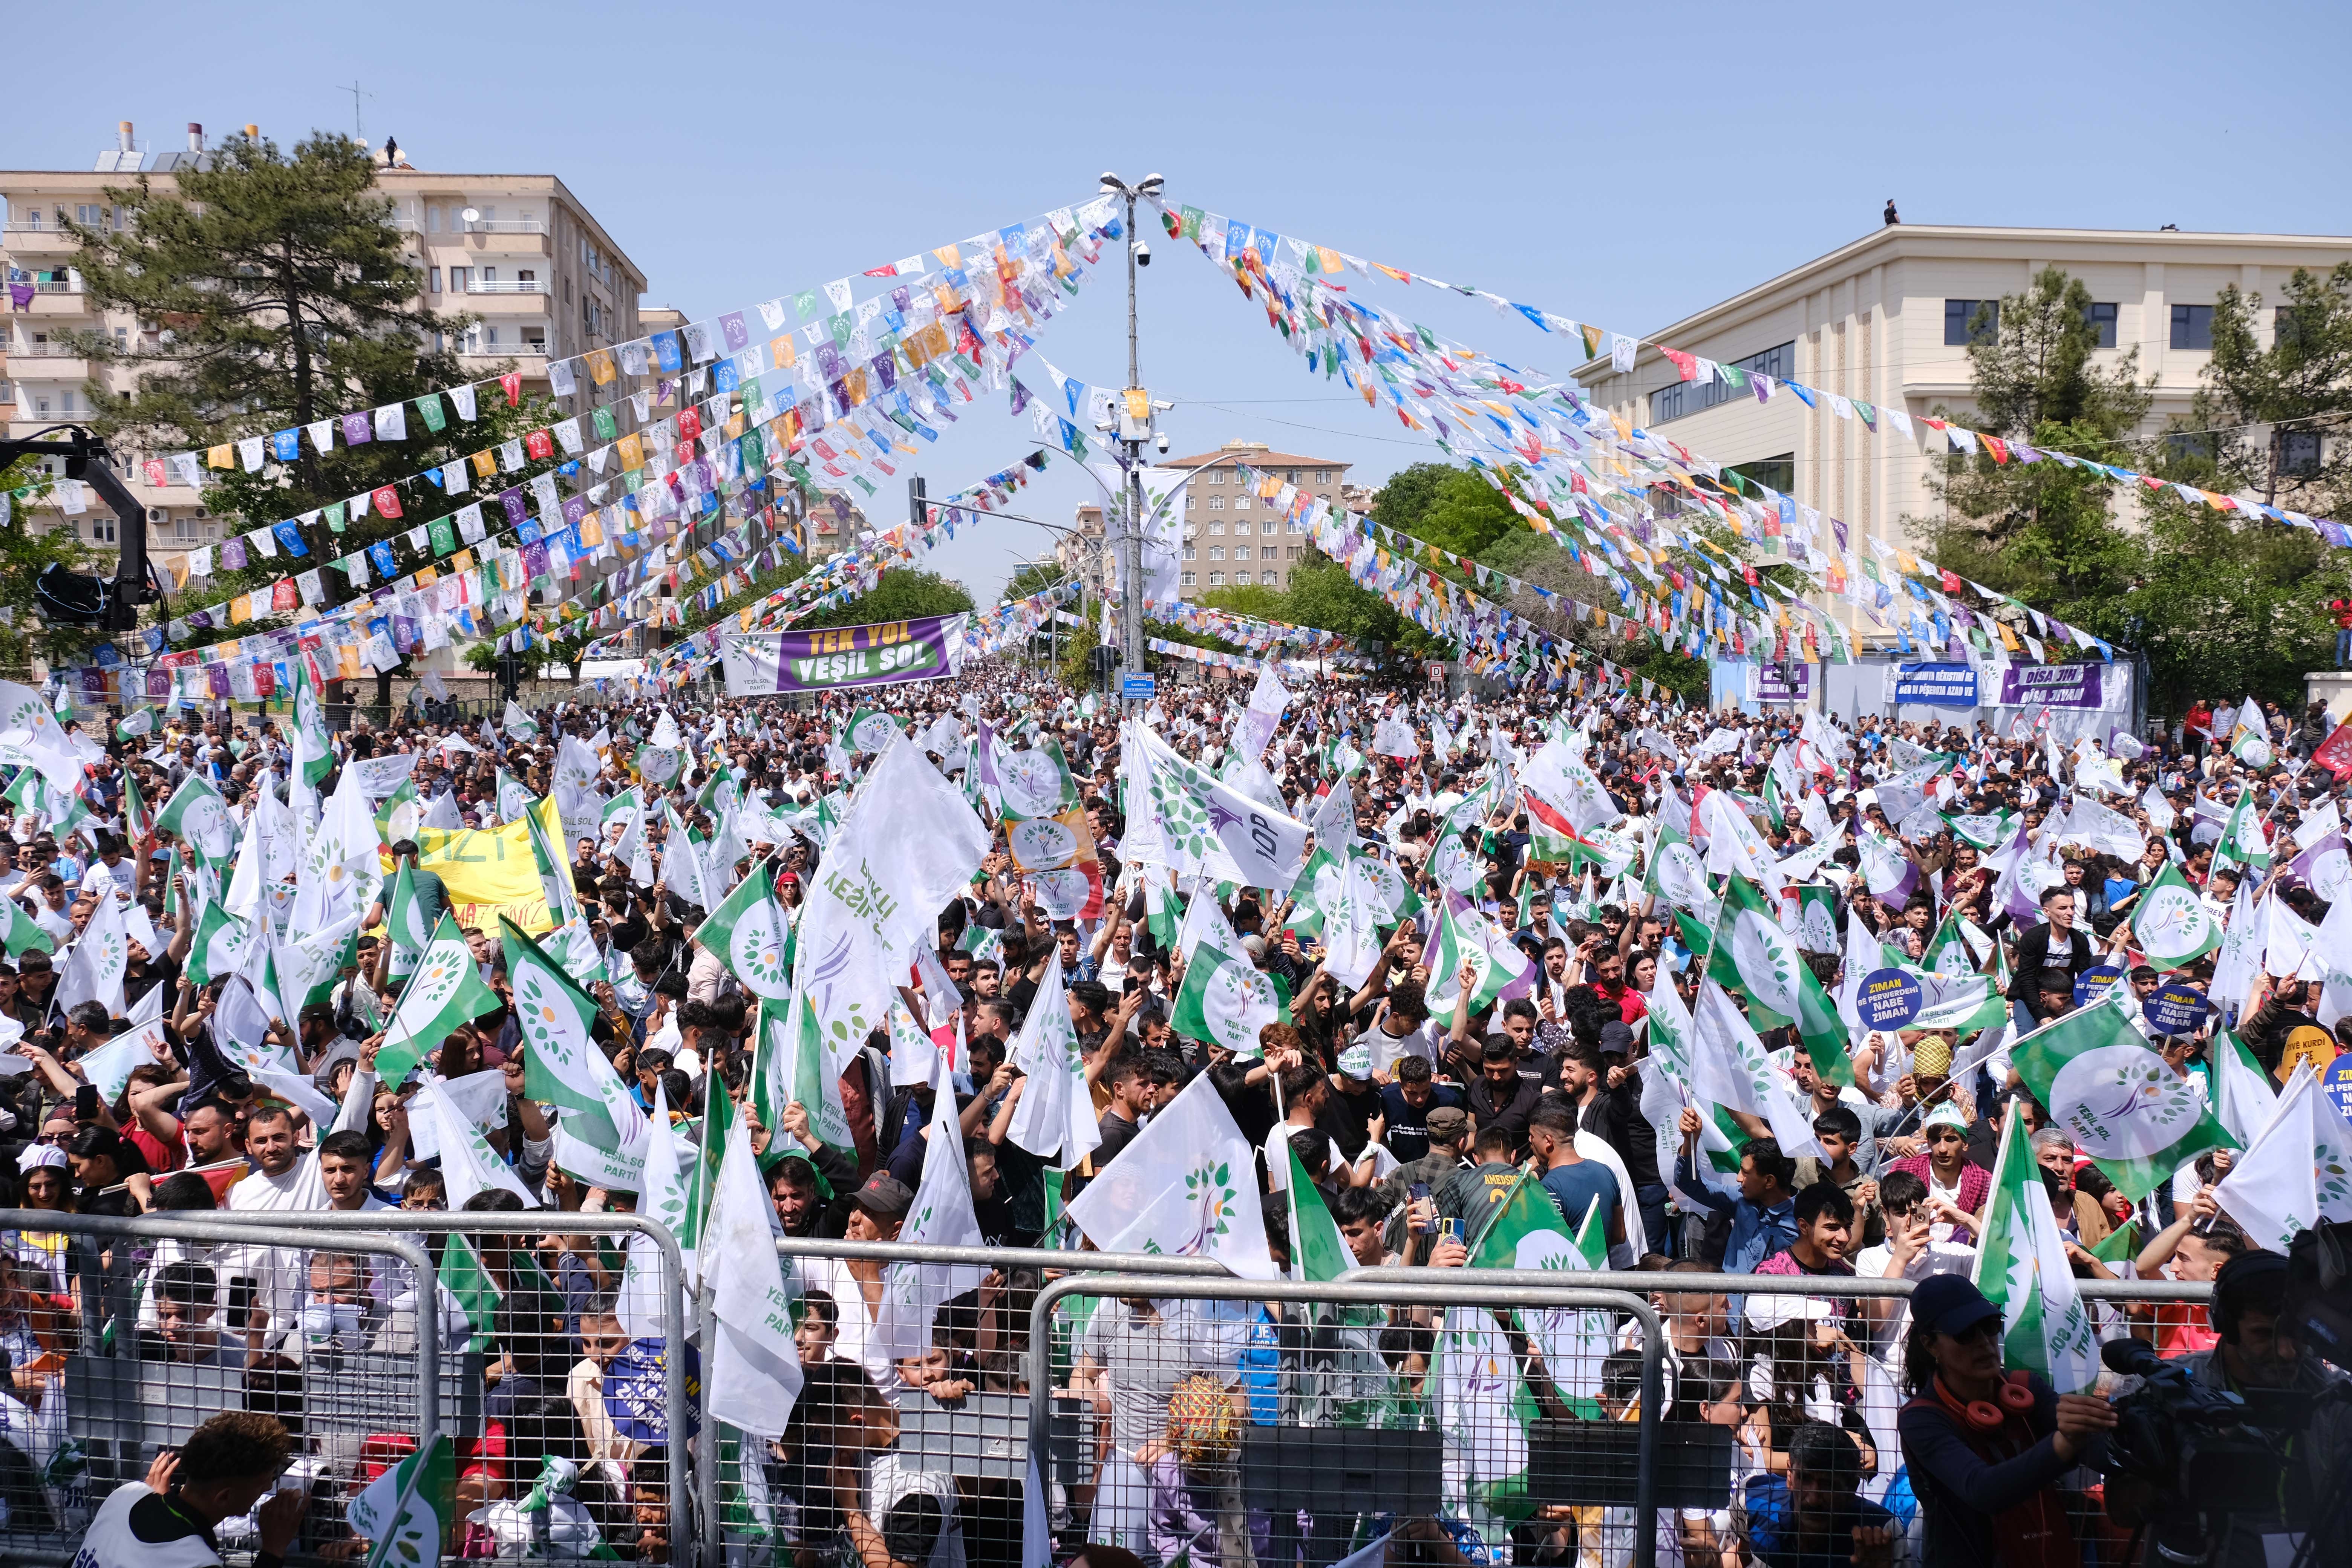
{"x": 1233, "y": 1421}
{"x": 132, "y": 1352}
{"x": 1523, "y": 1413}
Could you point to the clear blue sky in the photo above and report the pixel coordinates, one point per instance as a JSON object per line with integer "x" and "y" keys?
{"x": 1622, "y": 166}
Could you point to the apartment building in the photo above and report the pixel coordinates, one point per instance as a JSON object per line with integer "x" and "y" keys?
{"x": 519, "y": 251}
{"x": 1887, "y": 321}
{"x": 1233, "y": 539}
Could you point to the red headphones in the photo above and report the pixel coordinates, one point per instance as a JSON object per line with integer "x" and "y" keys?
{"x": 2014, "y": 1397}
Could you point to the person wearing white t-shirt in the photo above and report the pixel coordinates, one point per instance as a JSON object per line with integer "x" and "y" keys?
{"x": 1909, "y": 1252}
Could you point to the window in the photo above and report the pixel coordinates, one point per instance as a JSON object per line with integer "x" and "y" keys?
{"x": 2299, "y": 453}
{"x": 1216, "y": 475}
{"x": 2190, "y": 446}
{"x": 1190, "y": 578}
{"x": 2286, "y": 324}
{"x": 1217, "y": 528}
{"x": 461, "y": 279}
{"x": 1191, "y": 501}
{"x": 526, "y": 276}
{"x": 1681, "y": 397}
{"x": 1241, "y": 503}
{"x": 1773, "y": 473}
{"x": 1240, "y": 528}
{"x": 1322, "y": 476}
{"x": 2192, "y": 326}
{"x": 433, "y": 217}
{"x": 489, "y": 274}
{"x": 432, "y": 281}
{"x": 1216, "y": 579}
{"x": 1290, "y": 476}
{"x": 1217, "y": 504}
{"x": 1217, "y": 552}
{"x": 101, "y": 528}
{"x": 2101, "y": 318}
{"x": 1297, "y": 551}
{"x": 491, "y": 337}
{"x": 1241, "y": 552}
{"x": 89, "y": 214}
{"x": 1191, "y": 551}
{"x": 187, "y": 530}
{"x": 1962, "y": 327}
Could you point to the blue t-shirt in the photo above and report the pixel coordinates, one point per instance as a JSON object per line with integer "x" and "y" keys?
{"x": 1573, "y": 1188}
{"x": 1774, "y": 1542}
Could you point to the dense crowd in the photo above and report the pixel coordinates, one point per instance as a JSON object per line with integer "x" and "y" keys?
{"x": 1421, "y": 1101}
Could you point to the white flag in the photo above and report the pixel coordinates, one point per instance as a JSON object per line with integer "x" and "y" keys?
{"x": 912, "y": 1293}
{"x": 1055, "y": 1115}
{"x": 1186, "y": 1187}
{"x": 2298, "y": 1171}
{"x": 752, "y": 1367}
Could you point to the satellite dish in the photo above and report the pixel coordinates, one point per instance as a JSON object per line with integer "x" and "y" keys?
{"x": 471, "y": 215}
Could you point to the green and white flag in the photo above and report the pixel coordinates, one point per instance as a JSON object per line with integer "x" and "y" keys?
{"x": 2249, "y": 738}
{"x": 871, "y": 731}
{"x": 405, "y": 1513}
{"x": 2243, "y": 842}
{"x": 1160, "y": 911}
{"x": 405, "y": 914}
{"x": 749, "y": 933}
{"x": 2022, "y": 1266}
{"x": 446, "y": 991}
{"x": 1317, "y": 1251}
{"x": 399, "y": 814}
{"x": 1525, "y": 1230}
{"x": 2136, "y": 1117}
{"x": 1498, "y": 969}
{"x": 23, "y": 933}
{"x": 1981, "y": 830}
{"x": 139, "y": 720}
{"x": 1226, "y": 1001}
{"x": 467, "y": 1282}
{"x": 562, "y": 1064}
{"x": 1487, "y": 1413}
{"x": 314, "y": 752}
{"x": 2296, "y": 1174}
{"x": 790, "y": 1067}
{"x": 520, "y": 723}
{"x": 1186, "y": 1187}
{"x": 683, "y": 869}
{"x": 514, "y": 800}
{"x": 2172, "y": 925}
{"x": 1753, "y": 955}
{"x": 1817, "y": 928}
{"x": 196, "y": 815}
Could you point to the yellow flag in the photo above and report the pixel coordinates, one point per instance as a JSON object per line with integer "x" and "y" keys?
{"x": 487, "y": 872}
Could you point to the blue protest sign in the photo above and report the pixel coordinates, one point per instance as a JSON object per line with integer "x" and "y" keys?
{"x": 2173, "y": 1009}
{"x": 635, "y": 1396}
{"x": 2093, "y": 980}
{"x": 1890, "y": 999}
{"x": 1936, "y": 684}
{"x": 2337, "y": 1081}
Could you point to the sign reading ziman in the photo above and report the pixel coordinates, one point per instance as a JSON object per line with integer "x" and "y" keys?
{"x": 761, "y": 664}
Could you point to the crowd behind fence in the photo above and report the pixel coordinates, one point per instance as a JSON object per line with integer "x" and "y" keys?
{"x": 1156, "y": 1404}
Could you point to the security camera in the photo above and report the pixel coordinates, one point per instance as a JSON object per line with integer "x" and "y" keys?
{"x": 1142, "y": 254}
{"x": 1160, "y": 441}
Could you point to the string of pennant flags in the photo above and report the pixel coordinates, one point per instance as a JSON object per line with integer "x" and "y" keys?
{"x": 840, "y": 342}
{"x": 722, "y": 451}
{"x": 1207, "y": 229}
{"x": 1564, "y": 464}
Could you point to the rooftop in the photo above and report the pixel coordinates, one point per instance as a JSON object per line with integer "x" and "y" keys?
{"x": 1256, "y": 453}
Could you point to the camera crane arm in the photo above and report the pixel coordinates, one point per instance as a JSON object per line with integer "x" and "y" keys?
{"x": 87, "y": 459}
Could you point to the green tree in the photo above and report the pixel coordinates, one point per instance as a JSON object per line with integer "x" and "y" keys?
{"x": 902, "y": 594}
{"x": 24, "y": 553}
{"x": 2262, "y": 412}
{"x": 274, "y": 291}
{"x": 2219, "y": 602}
{"x": 1034, "y": 577}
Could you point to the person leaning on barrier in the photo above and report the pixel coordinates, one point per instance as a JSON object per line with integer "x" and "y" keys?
{"x": 1986, "y": 1450}
{"x": 226, "y": 1467}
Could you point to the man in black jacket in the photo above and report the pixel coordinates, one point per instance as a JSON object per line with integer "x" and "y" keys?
{"x": 2056, "y": 943}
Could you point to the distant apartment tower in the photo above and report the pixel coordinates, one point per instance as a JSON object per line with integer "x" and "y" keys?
{"x": 520, "y": 251}
{"x": 1231, "y": 538}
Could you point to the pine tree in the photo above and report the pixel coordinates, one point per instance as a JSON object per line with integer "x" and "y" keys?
{"x": 278, "y": 291}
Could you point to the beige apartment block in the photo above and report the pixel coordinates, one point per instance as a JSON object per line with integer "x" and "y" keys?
{"x": 1885, "y": 319}
{"x": 1231, "y": 538}
{"x": 521, "y": 252}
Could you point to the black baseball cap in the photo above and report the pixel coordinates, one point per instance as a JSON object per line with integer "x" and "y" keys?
{"x": 1949, "y": 1304}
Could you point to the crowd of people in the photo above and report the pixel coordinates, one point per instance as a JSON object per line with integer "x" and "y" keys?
{"x": 1420, "y": 1102}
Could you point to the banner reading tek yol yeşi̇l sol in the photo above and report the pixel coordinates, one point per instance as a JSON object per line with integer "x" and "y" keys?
{"x": 761, "y": 664}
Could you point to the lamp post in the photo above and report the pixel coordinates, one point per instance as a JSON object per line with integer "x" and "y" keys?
{"x": 1134, "y": 430}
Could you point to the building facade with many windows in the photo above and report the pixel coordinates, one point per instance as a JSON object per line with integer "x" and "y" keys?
{"x": 519, "y": 251}
{"x": 1888, "y": 319}
{"x": 1233, "y": 539}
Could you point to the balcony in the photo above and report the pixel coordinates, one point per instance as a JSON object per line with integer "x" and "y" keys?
{"x": 503, "y": 351}
{"x": 504, "y": 226}
{"x": 475, "y": 286}
{"x": 44, "y": 351}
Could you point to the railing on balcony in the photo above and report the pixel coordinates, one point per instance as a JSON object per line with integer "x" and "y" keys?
{"x": 505, "y": 285}
{"x": 505, "y": 225}
{"x": 43, "y": 351}
{"x": 504, "y": 350}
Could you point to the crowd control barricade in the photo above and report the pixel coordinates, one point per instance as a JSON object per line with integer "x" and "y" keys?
{"x": 1503, "y": 1414}
{"x": 598, "y": 1394}
{"x": 958, "y": 1428}
{"x": 123, "y": 1335}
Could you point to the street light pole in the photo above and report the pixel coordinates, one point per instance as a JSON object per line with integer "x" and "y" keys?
{"x": 1134, "y": 427}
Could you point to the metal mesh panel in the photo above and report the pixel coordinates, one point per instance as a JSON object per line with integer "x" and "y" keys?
{"x": 1299, "y": 1425}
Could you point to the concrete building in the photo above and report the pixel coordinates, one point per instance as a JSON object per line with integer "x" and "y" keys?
{"x": 520, "y": 251}
{"x": 1231, "y": 539}
{"x": 1885, "y": 319}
